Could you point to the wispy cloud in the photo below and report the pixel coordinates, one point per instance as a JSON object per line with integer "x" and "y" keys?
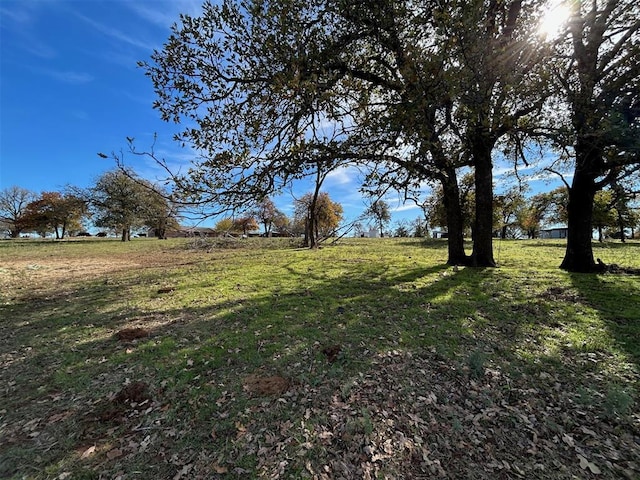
{"x": 165, "y": 14}
{"x": 115, "y": 34}
{"x": 21, "y": 17}
{"x": 38, "y": 48}
{"x": 342, "y": 176}
{"x": 67, "y": 76}
{"x": 18, "y": 12}
{"x": 405, "y": 207}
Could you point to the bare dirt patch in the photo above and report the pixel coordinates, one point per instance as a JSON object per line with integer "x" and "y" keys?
{"x": 266, "y": 386}
{"x": 331, "y": 352}
{"x": 129, "y": 334}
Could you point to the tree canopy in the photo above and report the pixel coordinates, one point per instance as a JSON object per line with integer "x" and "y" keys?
{"x": 271, "y": 92}
{"x": 57, "y": 212}
{"x": 122, "y": 202}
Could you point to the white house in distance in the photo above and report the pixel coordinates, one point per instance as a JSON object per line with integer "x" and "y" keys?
{"x": 556, "y": 232}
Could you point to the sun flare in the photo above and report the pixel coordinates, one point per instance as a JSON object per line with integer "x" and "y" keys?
{"x": 554, "y": 18}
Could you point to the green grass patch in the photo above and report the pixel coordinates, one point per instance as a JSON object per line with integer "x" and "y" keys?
{"x": 372, "y": 351}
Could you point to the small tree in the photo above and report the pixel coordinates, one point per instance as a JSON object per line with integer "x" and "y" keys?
{"x": 401, "y": 229}
{"x": 282, "y": 223}
{"x": 265, "y": 213}
{"x": 224, "y": 226}
{"x": 319, "y": 215}
{"x": 122, "y": 201}
{"x": 56, "y": 212}
{"x": 245, "y": 224}
{"x": 419, "y": 228}
{"x": 380, "y": 213}
{"x": 506, "y": 207}
{"x": 532, "y": 213}
{"x": 625, "y": 216}
{"x": 13, "y": 204}
{"x": 604, "y": 215}
{"x": 161, "y": 214}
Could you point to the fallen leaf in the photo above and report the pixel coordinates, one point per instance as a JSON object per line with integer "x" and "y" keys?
{"x": 584, "y": 464}
{"x": 59, "y": 416}
{"x": 184, "y": 471}
{"x": 220, "y": 469}
{"x": 594, "y": 468}
{"x": 568, "y": 439}
{"x": 88, "y": 452}
{"x": 242, "y": 430}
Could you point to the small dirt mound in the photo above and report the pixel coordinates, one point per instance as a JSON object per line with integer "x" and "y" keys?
{"x": 266, "y": 386}
{"x": 129, "y": 334}
{"x": 166, "y": 290}
{"x": 332, "y": 352}
{"x": 135, "y": 392}
{"x": 116, "y": 409}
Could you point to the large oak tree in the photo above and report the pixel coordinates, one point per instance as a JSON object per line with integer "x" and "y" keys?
{"x": 598, "y": 73}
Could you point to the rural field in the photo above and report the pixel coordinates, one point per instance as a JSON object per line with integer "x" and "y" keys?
{"x": 365, "y": 359}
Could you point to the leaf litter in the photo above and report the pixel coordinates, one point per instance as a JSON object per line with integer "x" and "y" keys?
{"x": 420, "y": 416}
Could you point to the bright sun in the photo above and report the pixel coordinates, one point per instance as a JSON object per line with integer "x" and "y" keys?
{"x": 554, "y": 18}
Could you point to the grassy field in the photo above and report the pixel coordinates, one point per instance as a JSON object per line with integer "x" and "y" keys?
{"x": 366, "y": 359}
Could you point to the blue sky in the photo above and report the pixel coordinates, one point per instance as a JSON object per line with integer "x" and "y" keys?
{"x": 70, "y": 87}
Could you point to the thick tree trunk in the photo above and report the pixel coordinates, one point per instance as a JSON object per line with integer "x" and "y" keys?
{"x": 455, "y": 222}
{"x": 313, "y": 216}
{"x": 482, "y": 255}
{"x": 312, "y": 237}
{"x": 579, "y": 253}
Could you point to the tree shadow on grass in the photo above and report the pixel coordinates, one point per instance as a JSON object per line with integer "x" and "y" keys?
{"x": 616, "y": 297}
{"x": 58, "y": 375}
